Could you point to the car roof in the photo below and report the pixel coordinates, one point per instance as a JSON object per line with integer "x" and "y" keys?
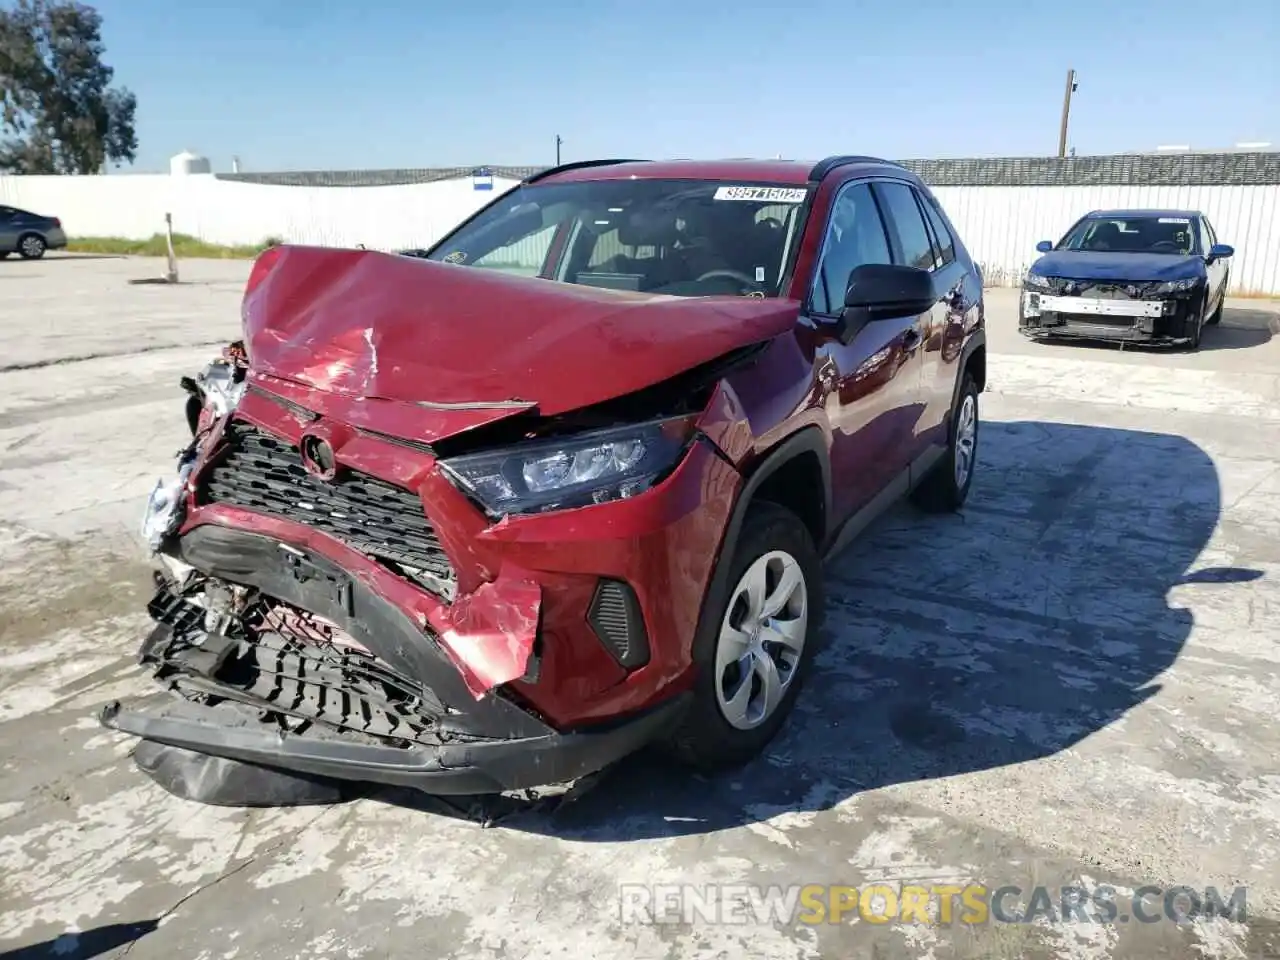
{"x": 790, "y": 172}
{"x": 1136, "y": 214}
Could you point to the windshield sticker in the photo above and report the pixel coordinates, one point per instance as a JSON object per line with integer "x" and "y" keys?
{"x": 456, "y": 257}
{"x": 1182, "y": 220}
{"x": 762, "y": 194}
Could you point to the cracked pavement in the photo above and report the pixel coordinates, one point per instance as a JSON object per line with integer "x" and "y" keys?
{"x": 1073, "y": 682}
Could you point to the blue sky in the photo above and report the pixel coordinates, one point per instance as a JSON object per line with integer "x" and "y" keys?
{"x": 307, "y": 84}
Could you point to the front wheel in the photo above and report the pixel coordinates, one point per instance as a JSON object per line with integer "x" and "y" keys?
{"x": 946, "y": 487}
{"x": 753, "y": 655}
{"x": 1216, "y": 317}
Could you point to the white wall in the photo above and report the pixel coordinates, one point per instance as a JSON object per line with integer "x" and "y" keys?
{"x": 227, "y": 211}
{"x": 1000, "y": 225}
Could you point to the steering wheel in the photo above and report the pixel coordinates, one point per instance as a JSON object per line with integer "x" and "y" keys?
{"x": 1170, "y": 245}
{"x": 731, "y": 274}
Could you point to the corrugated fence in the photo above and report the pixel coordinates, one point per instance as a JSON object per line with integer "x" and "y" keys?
{"x": 1001, "y": 206}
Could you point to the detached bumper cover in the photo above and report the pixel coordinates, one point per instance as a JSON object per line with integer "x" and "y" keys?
{"x": 450, "y": 769}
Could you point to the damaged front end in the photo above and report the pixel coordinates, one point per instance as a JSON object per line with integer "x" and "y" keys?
{"x": 1156, "y": 312}
{"x": 319, "y": 635}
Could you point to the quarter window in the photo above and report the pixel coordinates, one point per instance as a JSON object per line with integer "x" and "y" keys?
{"x": 905, "y": 219}
{"x": 855, "y": 236}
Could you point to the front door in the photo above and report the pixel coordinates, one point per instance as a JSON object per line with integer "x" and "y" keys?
{"x": 871, "y": 386}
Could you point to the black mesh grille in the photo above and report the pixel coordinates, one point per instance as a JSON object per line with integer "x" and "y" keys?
{"x": 263, "y": 473}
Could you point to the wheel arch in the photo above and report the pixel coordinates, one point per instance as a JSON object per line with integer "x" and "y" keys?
{"x": 807, "y": 446}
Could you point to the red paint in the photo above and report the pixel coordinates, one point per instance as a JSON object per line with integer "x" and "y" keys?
{"x": 384, "y": 347}
{"x": 376, "y": 326}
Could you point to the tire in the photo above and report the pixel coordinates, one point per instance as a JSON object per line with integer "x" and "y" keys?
{"x": 1196, "y": 335}
{"x": 31, "y": 246}
{"x": 772, "y": 539}
{"x": 945, "y": 488}
{"x": 1215, "y": 318}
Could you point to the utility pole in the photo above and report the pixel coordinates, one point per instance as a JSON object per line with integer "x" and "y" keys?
{"x": 1072, "y": 86}
{"x": 558, "y": 142}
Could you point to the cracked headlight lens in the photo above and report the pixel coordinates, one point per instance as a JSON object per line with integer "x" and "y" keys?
{"x": 1034, "y": 281}
{"x": 573, "y": 471}
{"x": 1176, "y": 286}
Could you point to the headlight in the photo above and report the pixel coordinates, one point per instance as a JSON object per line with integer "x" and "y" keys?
{"x": 575, "y": 471}
{"x": 1176, "y": 286}
{"x": 1036, "y": 282}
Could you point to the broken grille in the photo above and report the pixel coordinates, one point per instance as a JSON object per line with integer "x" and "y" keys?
{"x": 295, "y": 667}
{"x": 263, "y": 473}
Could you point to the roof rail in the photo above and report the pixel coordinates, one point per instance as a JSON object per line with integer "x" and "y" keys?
{"x": 824, "y": 167}
{"x": 576, "y": 165}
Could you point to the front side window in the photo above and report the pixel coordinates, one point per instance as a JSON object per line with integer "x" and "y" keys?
{"x": 676, "y": 237}
{"x": 1175, "y": 236}
{"x": 855, "y": 236}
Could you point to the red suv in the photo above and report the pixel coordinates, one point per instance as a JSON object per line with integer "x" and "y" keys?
{"x": 496, "y": 514}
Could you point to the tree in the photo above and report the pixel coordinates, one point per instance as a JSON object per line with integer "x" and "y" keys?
{"x": 59, "y": 110}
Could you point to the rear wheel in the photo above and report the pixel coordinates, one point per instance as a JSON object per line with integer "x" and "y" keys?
{"x": 946, "y": 487}
{"x": 753, "y": 656}
{"x": 31, "y": 247}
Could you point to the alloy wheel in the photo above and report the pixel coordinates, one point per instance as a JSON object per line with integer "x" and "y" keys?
{"x": 966, "y": 439}
{"x": 761, "y": 639}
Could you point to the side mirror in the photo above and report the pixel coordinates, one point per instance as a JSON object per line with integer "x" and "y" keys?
{"x": 1044, "y": 246}
{"x": 879, "y": 291}
{"x": 1220, "y": 251}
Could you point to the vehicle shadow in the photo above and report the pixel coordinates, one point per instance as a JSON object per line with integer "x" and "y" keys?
{"x": 96, "y": 942}
{"x": 1241, "y": 329}
{"x": 960, "y": 643}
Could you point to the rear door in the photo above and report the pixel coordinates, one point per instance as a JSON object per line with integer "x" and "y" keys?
{"x": 8, "y": 230}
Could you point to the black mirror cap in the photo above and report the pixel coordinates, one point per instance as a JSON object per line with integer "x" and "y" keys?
{"x": 890, "y": 290}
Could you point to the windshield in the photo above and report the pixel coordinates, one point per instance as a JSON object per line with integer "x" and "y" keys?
{"x": 679, "y": 237}
{"x": 1172, "y": 235}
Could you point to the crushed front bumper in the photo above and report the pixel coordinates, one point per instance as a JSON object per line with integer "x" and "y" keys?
{"x": 1169, "y": 321}
{"x": 480, "y": 767}
{"x": 313, "y": 673}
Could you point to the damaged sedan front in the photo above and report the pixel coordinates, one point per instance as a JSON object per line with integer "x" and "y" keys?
{"x": 1137, "y": 276}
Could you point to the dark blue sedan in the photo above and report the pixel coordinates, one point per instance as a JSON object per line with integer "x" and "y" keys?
{"x": 1148, "y": 276}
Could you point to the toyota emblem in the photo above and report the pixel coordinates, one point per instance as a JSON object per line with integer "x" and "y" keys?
{"x": 317, "y": 457}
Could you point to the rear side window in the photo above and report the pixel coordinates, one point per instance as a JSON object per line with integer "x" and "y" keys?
{"x": 946, "y": 243}
{"x": 898, "y": 200}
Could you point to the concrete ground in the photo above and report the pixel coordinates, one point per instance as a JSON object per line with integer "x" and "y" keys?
{"x": 1073, "y": 682}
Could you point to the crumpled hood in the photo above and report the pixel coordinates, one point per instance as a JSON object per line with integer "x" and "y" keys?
{"x": 372, "y": 325}
{"x": 1104, "y": 265}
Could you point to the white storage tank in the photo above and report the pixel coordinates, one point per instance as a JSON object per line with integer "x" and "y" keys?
{"x": 187, "y": 162}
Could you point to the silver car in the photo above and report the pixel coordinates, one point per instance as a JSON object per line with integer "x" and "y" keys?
{"x": 28, "y": 234}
